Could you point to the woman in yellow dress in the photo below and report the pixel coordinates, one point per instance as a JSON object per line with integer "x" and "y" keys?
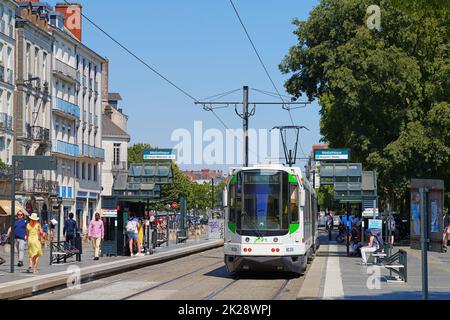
{"x": 141, "y": 235}
{"x": 35, "y": 238}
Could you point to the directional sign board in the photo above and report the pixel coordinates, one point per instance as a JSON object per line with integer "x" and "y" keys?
{"x": 35, "y": 162}
{"x": 159, "y": 154}
{"x": 332, "y": 155}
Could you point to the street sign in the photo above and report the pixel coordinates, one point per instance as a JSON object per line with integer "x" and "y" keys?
{"x": 375, "y": 224}
{"x": 371, "y": 212}
{"x": 159, "y": 154}
{"x": 35, "y": 162}
{"x": 332, "y": 155}
{"x": 109, "y": 213}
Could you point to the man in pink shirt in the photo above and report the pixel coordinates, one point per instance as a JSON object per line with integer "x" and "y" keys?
{"x": 96, "y": 234}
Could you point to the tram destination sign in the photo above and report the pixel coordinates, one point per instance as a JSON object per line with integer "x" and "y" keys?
{"x": 332, "y": 155}
{"x": 159, "y": 154}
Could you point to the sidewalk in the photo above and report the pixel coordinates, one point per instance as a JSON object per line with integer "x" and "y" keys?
{"x": 333, "y": 275}
{"x": 22, "y": 284}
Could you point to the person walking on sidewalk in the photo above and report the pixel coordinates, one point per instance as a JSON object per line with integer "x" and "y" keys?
{"x": 446, "y": 231}
{"x": 70, "y": 230}
{"x": 96, "y": 233}
{"x": 35, "y": 238}
{"x": 20, "y": 232}
{"x": 133, "y": 236}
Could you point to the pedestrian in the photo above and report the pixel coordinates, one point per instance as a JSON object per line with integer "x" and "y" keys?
{"x": 391, "y": 228}
{"x": 375, "y": 244}
{"x": 20, "y": 232}
{"x": 96, "y": 234}
{"x": 133, "y": 236}
{"x": 35, "y": 239}
{"x": 70, "y": 230}
{"x": 46, "y": 229}
{"x": 446, "y": 231}
{"x": 329, "y": 225}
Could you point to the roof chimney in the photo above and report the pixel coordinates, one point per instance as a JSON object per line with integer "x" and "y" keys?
{"x": 73, "y": 20}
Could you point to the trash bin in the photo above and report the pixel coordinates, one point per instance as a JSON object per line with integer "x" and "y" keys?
{"x": 79, "y": 243}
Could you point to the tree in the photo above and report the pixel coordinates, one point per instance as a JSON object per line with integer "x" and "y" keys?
{"x": 383, "y": 93}
{"x": 135, "y": 152}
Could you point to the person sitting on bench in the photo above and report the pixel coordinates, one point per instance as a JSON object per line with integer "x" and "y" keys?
{"x": 375, "y": 244}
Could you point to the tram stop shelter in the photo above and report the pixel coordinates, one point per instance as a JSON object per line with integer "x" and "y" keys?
{"x": 133, "y": 191}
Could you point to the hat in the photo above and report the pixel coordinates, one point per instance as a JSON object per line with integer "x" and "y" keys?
{"x": 34, "y": 217}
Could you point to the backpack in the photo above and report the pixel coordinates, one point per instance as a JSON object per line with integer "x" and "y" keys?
{"x": 130, "y": 226}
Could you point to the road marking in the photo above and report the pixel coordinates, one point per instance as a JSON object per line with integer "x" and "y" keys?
{"x": 114, "y": 291}
{"x": 333, "y": 281}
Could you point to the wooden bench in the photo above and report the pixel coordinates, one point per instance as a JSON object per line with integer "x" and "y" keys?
{"x": 61, "y": 251}
{"x": 181, "y": 236}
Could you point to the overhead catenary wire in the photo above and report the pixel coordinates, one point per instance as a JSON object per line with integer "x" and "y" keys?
{"x": 264, "y": 67}
{"x": 159, "y": 74}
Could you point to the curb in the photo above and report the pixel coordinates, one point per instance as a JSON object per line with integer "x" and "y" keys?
{"x": 24, "y": 288}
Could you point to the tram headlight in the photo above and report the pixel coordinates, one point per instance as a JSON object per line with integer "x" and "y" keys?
{"x": 275, "y": 240}
{"x": 247, "y": 239}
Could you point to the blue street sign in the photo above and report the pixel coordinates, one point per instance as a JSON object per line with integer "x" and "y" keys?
{"x": 332, "y": 155}
{"x": 159, "y": 154}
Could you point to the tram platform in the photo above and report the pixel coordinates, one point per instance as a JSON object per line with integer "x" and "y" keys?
{"x": 22, "y": 284}
{"x": 333, "y": 275}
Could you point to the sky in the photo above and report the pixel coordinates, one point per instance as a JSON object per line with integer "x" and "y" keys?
{"x": 200, "y": 46}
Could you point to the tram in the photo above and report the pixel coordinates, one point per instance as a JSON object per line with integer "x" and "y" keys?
{"x": 271, "y": 218}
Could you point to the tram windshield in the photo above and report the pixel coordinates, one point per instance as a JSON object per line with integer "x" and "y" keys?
{"x": 264, "y": 209}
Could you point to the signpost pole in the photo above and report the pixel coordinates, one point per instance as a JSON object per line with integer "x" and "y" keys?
{"x": 13, "y": 212}
{"x": 346, "y": 229}
{"x": 424, "y": 241}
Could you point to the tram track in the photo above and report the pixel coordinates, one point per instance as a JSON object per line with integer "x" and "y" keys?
{"x": 170, "y": 281}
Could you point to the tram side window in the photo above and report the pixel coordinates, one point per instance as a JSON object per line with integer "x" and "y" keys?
{"x": 285, "y": 203}
{"x": 232, "y": 205}
{"x": 294, "y": 203}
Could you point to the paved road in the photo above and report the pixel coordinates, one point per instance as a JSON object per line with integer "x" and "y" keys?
{"x": 197, "y": 277}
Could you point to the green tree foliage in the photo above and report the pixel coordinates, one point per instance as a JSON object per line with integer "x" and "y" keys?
{"x": 383, "y": 93}
{"x": 135, "y": 152}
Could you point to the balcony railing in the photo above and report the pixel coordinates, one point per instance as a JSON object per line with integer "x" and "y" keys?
{"x": 40, "y": 186}
{"x": 119, "y": 166}
{"x": 7, "y": 173}
{"x": 93, "y": 152}
{"x": 65, "y": 148}
{"x": 65, "y": 69}
{"x": 5, "y": 121}
{"x": 40, "y": 134}
{"x": 66, "y": 107}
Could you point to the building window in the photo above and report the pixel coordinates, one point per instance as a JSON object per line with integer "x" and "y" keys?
{"x": 95, "y": 172}
{"x": 77, "y": 170}
{"x": 36, "y": 59}
{"x": 44, "y": 67}
{"x": 28, "y": 67}
{"x": 116, "y": 156}
{"x": 89, "y": 172}
{"x": 83, "y": 171}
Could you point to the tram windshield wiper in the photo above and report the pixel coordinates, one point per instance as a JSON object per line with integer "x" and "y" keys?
{"x": 257, "y": 231}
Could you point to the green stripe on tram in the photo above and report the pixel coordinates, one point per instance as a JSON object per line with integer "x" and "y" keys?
{"x": 293, "y": 228}
{"x": 232, "y": 227}
{"x": 292, "y": 178}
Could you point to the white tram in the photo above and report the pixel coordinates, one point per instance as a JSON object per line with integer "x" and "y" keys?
{"x": 271, "y": 219}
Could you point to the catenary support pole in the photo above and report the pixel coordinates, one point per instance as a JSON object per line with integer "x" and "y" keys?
{"x": 13, "y": 212}
{"x": 246, "y": 116}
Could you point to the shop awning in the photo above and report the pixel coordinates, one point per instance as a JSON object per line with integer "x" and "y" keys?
{"x": 5, "y": 206}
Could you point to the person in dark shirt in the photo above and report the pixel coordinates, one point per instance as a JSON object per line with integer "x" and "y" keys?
{"x": 70, "y": 229}
{"x": 20, "y": 228}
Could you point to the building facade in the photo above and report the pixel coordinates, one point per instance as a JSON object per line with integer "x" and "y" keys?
{"x": 32, "y": 102}
{"x": 7, "y": 74}
{"x": 78, "y": 112}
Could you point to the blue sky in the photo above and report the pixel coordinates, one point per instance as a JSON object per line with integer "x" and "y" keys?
{"x": 199, "y": 45}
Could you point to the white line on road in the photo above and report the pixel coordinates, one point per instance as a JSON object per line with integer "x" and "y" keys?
{"x": 333, "y": 279}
